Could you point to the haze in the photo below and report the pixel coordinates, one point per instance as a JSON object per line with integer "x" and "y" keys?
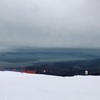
{"x": 50, "y": 23}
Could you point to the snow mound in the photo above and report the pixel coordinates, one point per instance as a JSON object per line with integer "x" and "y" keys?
{"x": 21, "y": 86}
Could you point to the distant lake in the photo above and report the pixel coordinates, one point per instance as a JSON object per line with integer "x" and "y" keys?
{"x": 25, "y": 57}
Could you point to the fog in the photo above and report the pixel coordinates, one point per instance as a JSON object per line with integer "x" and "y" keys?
{"x": 50, "y": 23}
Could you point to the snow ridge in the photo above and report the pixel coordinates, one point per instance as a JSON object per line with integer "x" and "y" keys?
{"x": 21, "y": 86}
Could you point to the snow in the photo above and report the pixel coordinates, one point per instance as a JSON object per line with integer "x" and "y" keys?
{"x": 21, "y": 86}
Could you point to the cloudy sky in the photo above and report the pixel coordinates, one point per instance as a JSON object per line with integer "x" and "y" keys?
{"x": 50, "y": 23}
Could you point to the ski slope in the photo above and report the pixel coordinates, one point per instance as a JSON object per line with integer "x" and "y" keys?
{"x": 21, "y": 86}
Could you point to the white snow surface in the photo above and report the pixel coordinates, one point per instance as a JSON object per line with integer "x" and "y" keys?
{"x": 21, "y": 86}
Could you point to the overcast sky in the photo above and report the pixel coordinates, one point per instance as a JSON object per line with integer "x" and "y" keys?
{"x": 50, "y": 23}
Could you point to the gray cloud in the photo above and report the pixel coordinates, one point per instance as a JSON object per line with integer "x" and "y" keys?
{"x": 50, "y": 23}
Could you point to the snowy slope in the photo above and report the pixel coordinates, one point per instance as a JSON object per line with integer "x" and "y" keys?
{"x": 20, "y": 86}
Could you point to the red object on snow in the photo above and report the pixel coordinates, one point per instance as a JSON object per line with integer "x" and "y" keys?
{"x": 29, "y": 71}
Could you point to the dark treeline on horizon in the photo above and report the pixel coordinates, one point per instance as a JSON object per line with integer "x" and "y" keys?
{"x": 67, "y": 68}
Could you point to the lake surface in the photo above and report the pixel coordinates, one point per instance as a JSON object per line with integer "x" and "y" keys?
{"x": 25, "y": 57}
